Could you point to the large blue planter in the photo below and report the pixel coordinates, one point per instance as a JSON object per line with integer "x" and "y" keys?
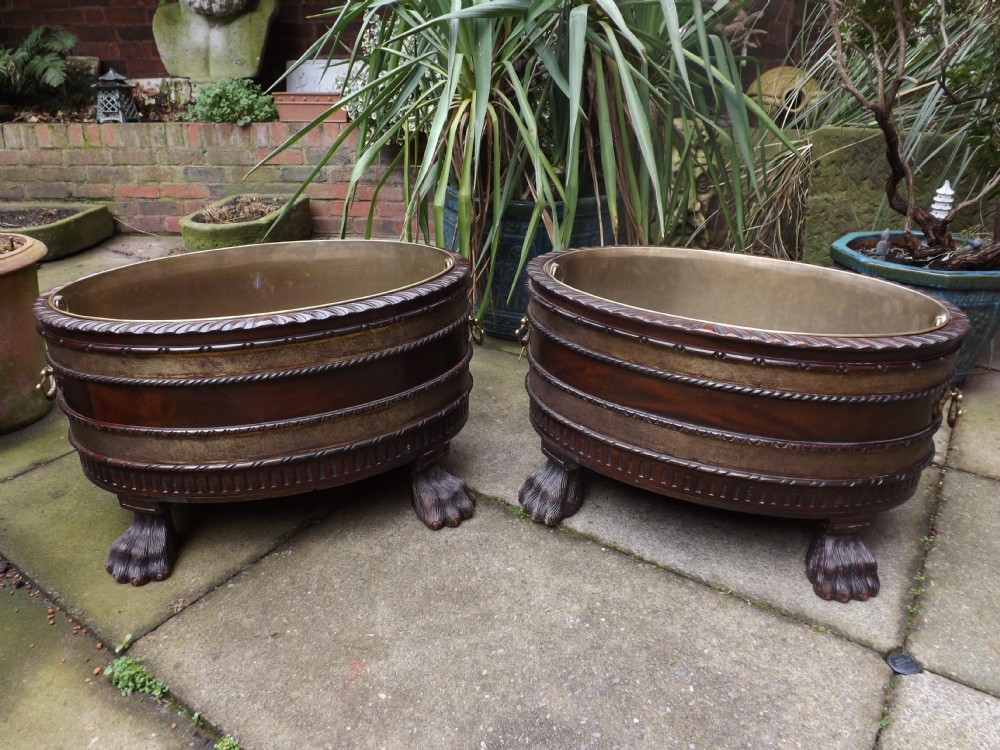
{"x": 976, "y": 293}
{"x": 505, "y": 310}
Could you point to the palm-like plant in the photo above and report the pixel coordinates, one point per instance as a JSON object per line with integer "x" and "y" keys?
{"x": 638, "y": 101}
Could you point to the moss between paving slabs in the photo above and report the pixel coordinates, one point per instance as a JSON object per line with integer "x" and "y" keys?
{"x": 296, "y": 225}
{"x": 89, "y": 225}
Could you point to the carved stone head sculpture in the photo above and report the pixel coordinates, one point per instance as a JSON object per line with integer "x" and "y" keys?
{"x": 216, "y": 8}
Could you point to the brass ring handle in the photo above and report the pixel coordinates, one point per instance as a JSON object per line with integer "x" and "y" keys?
{"x": 523, "y": 332}
{"x": 47, "y": 384}
{"x": 476, "y": 330}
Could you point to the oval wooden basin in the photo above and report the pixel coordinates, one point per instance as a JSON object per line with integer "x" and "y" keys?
{"x": 261, "y": 371}
{"x": 738, "y": 382}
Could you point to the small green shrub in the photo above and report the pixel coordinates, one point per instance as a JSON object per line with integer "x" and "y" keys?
{"x": 129, "y": 676}
{"x": 232, "y": 100}
{"x": 227, "y": 743}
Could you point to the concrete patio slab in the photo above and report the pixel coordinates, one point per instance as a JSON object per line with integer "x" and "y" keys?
{"x": 44, "y": 441}
{"x": 930, "y": 712}
{"x": 976, "y": 443}
{"x": 58, "y": 527}
{"x": 957, "y": 630}
{"x": 499, "y": 634}
{"x": 120, "y": 250}
{"x": 761, "y": 558}
{"x": 50, "y": 697}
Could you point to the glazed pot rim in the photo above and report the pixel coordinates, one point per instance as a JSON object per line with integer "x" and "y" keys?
{"x": 31, "y": 252}
{"x": 938, "y": 278}
{"x": 51, "y": 299}
{"x": 950, "y": 323}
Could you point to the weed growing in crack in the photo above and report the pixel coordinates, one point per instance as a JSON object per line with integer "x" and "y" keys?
{"x": 129, "y": 676}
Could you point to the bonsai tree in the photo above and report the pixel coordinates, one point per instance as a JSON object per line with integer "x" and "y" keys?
{"x": 883, "y": 50}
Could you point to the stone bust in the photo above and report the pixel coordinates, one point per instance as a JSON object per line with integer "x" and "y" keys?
{"x": 208, "y": 40}
{"x": 216, "y": 8}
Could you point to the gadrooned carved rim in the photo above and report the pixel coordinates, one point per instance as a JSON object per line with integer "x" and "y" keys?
{"x": 952, "y": 332}
{"x": 50, "y": 317}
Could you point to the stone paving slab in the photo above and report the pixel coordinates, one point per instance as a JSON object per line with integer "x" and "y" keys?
{"x": 957, "y": 630}
{"x": 756, "y": 557}
{"x": 930, "y": 712}
{"x": 976, "y": 443}
{"x": 50, "y": 698}
{"x": 381, "y": 633}
{"x": 35, "y": 445}
{"x": 120, "y": 250}
{"x": 57, "y": 528}
{"x": 764, "y": 558}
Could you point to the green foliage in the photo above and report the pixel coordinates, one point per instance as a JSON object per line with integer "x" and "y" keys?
{"x": 227, "y": 743}
{"x": 129, "y": 676}
{"x": 37, "y": 74}
{"x": 232, "y": 100}
{"x": 638, "y": 101}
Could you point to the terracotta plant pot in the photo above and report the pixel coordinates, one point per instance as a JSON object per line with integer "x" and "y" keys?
{"x": 296, "y": 106}
{"x": 26, "y": 388}
{"x": 202, "y": 235}
{"x": 976, "y": 293}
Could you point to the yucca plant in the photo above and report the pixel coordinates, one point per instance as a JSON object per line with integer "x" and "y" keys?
{"x": 637, "y": 101}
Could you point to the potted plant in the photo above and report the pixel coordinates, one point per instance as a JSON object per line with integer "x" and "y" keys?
{"x": 944, "y": 57}
{"x": 246, "y": 220}
{"x": 544, "y": 103}
{"x": 28, "y": 387}
{"x": 38, "y": 75}
{"x": 64, "y": 228}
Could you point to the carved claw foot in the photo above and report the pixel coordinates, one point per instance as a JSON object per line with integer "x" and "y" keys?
{"x": 145, "y": 552}
{"x": 439, "y": 498}
{"x": 552, "y": 493}
{"x": 841, "y": 567}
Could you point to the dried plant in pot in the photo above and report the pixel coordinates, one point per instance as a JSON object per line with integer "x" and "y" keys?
{"x": 246, "y": 220}
{"x": 64, "y": 228}
{"x": 943, "y": 57}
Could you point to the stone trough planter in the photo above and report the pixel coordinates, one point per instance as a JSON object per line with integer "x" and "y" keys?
{"x": 87, "y": 226}
{"x": 202, "y": 235}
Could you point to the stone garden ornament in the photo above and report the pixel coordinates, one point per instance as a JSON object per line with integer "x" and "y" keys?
{"x": 208, "y": 40}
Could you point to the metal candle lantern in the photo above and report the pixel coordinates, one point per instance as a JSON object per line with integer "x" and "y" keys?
{"x": 114, "y": 98}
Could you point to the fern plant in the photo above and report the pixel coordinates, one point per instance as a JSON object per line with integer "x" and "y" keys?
{"x": 36, "y": 74}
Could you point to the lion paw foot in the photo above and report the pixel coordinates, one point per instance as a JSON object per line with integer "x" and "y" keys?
{"x": 145, "y": 552}
{"x": 552, "y": 493}
{"x": 841, "y": 567}
{"x": 441, "y": 499}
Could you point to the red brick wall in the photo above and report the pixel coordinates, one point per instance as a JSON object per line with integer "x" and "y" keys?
{"x": 151, "y": 174}
{"x": 120, "y": 32}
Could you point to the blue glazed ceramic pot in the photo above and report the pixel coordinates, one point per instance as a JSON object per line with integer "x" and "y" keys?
{"x": 977, "y": 293}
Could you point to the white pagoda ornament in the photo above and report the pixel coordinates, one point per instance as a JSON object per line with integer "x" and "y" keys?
{"x": 944, "y": 198}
